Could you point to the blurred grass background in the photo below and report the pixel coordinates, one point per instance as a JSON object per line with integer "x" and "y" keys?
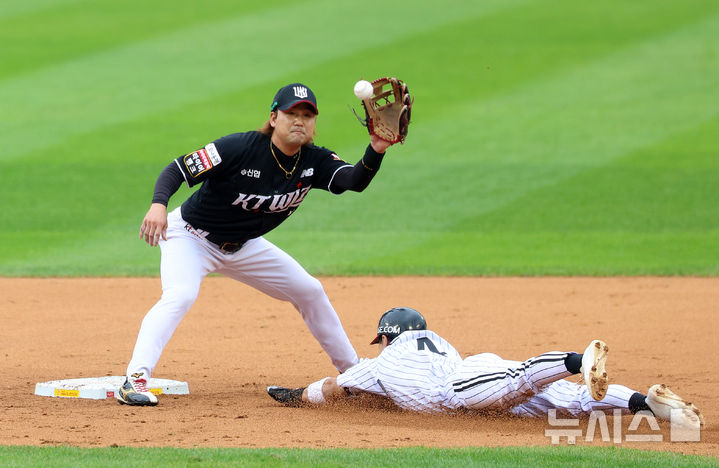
{"x": 503, "y": 457}
{"x": 549, "y": 137}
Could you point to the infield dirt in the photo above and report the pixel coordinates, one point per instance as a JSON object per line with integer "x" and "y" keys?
{"x": 235, "y": 341}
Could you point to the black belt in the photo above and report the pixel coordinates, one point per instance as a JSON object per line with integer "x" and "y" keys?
{"x": 229, "y": 247}
{"x": 226, "y": 247}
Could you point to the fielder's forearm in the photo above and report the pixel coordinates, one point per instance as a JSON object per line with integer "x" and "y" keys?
{"x": 358, "y": 177}
{"x": 167, "y": 184}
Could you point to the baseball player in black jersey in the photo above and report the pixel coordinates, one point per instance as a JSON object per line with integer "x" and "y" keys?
{"x": 250, "y": 183}
{"x": 420, "y": 371}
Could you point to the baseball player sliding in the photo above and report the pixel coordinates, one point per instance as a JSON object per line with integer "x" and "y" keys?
{"x": 420, "y": 371}
{"x": 250, "y": 183}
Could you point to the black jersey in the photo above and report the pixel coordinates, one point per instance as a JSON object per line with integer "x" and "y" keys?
{"x": 244, "y": 192}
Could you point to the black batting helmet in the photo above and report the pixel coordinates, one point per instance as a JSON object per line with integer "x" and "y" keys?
{"x": 399, "y": 320}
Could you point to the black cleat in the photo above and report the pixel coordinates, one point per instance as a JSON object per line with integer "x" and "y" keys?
{"x": 286, "y": 396}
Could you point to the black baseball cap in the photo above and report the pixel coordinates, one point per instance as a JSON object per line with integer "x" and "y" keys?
{"x": 291, "y": 95}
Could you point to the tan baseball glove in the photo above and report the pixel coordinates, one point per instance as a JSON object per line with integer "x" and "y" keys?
{"x": 388, "y": 110}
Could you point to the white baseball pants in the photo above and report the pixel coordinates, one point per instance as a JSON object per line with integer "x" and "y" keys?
{"x": 529, "y": 388}
{"x": 187, "y": 258}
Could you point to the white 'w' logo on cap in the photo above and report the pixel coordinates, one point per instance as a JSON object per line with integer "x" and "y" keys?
{"x": 300, "y": 91}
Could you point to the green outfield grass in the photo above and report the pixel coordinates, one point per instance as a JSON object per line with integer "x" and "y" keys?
{"x": 416, "y": 456}
{"x": 549, "y": 137}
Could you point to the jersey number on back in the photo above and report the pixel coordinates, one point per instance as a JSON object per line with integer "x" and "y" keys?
{"x": 422, "y": 342}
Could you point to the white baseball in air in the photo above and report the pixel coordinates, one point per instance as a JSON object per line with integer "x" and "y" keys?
{"x": 363, "y": 89}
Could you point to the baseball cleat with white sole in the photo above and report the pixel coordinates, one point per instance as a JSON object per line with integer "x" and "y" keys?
{"x": 593, "y": 369}
{"x": 134, "y": 392}
{"x": 662, "y": 401}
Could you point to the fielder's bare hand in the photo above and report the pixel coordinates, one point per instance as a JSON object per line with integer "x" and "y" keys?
{"x": 154, "y": 226}
{"x": 378, "y": 144}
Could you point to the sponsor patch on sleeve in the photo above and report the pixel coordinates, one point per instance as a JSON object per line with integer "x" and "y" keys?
{"x": 335, "y": 157}
{"x": 201, "y": 161}
{"x": 214, "y": 155}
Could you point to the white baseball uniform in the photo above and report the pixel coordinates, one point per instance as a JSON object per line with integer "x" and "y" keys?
{"x": 187, "y": 259}
{"x": 421, "y": 371}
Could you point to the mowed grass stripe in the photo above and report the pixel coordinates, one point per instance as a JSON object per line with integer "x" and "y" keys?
{"x": 202, "y": 61}
{"x": 569, "y": 253}
{"x": 514, "y": 47}
{"x": 614, "y": 114}
{"x": 493, "y": 55}
{"x": 17, "y": 8}
{"x": 668, "y": 183}
{"x": 654, "y": 211}
{"x": 72, "y": 29}
{"x": 582, "y": 119}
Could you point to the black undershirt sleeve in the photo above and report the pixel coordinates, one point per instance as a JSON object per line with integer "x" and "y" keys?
{"x": 167, "y": 184}
{"x": 358, "y": 177}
